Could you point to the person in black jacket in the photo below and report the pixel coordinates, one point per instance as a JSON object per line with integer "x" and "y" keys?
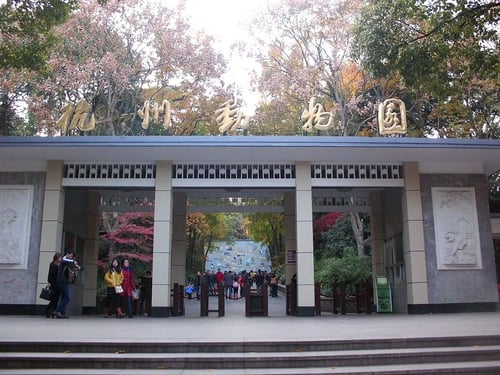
{"x": 52, "y": 284}
{"x": 64, "y": 282}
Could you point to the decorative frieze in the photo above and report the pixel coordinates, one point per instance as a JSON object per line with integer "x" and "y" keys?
{"x": 356, "y": 174}
{"x": 233, "y": 174}
{"x": 109, "y": 174}
{"x": 341, "y": 202}
{"x": 121, "y": 201}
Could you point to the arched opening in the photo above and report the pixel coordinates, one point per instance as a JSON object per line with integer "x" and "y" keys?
{"x": 333, "y": 189}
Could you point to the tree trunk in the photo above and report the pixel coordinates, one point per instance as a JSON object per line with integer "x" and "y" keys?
{"x": 357, "y": 228}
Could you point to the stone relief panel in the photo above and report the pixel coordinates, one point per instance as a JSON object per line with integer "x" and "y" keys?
{"x": 456, "y": 228}
{"x": 16, "y": 203}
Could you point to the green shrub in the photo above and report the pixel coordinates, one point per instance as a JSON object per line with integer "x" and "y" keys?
{"x": 350, "y": 270}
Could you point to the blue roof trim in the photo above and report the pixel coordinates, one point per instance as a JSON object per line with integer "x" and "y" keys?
{"x": 258, "y": 141}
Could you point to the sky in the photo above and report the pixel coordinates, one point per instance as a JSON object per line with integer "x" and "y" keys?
{"x": 226, "y": 20}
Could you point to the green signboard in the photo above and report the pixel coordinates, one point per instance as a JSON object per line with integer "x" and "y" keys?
{"x": 384, "y": 300}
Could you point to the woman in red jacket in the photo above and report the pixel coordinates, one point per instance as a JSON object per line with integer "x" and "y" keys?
{"x": 128, "y": 286}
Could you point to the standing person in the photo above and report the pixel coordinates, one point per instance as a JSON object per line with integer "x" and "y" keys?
{"x": 53, "y": 285}
{"x": 198, "y": 285}
{"x": 252, "y": 278}
{"x": 273, "y": 282}
{"x": 66, "y": 273}
{"x": 241, "y": 281}
{"x": 128, "y": 286}
{"x": 228, "y": 283}
{"x": 259, "y": 280}
{"x": 219, "y": 278}
{"x": 212, "y": 280}
{"x": 114, "y": 277}
{"x": 236, "y": 286}
{"x": 247, "y": 283}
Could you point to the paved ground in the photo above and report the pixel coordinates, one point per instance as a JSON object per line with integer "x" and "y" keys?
{"x": 235, "y": 327}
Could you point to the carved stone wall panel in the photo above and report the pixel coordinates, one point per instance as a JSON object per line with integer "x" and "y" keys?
{"x": 460, "y": 283}
{"x": 15, "y": 222}
{"x": 456, "y": 228}
{"x": 16, "y": 278}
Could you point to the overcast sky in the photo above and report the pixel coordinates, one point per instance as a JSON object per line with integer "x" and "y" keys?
{"x": 226, "y": 20}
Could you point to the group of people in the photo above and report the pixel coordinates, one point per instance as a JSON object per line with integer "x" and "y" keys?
{"x": 62, "y": 273}
{"x": 121, "y": 290}
{"x": 234, "y": 284}
{"x": 120, "y": 285}
{"x": 123, "y": 296}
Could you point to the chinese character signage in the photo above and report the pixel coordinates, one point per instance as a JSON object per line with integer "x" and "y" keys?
{"x": 392, "y": 117}
{"x": 230, "y": 119}
{"x": 316, "y": 118}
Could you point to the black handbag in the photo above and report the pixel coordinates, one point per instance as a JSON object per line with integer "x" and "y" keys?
{"x": 48, "y": 294}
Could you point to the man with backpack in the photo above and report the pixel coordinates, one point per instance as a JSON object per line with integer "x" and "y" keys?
{"x": 66, "y": 276}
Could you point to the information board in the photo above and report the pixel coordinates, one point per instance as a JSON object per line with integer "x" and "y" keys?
{"x": 384, "y": 300}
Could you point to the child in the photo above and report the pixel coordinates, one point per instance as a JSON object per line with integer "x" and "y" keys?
{"x": 189, "y": 291}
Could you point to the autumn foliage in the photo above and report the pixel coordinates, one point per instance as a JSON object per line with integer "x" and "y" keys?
{"x": 132, "y": 239}
{"x": 324, "y": 223}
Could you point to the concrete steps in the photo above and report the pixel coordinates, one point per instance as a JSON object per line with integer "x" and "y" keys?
{"x": 452, "y": 355}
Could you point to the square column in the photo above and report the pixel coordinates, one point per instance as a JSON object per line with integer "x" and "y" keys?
{"x": 377, "y": 234}
{"x": 179, "y": 239}
{"x": 52, "y": 222}
{"x": 91, "y": 254}
{"x": 413, "y": 238}
{"x": 290, "y": 236}
{"x": 305, "y": 248}
{"x": 162, "y": 242}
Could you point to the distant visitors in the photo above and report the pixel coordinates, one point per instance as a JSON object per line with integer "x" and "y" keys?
{"x": 219, "y": 276}
{"x": 252, "y": 277}
{"x": 212, "y": 283}
{"x": 236, "y": 287}
{"x": 228, "y": 284}
{"x": 198, "y": 285}
{"x": 189, "y": 289}
{"x": 259, "y": 280}
{"x": 243, "y": 281}
{"x": 273, "y": 282}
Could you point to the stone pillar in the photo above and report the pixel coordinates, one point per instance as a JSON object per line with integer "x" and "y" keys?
{"x": 179, "y": 239}
{"x": 413, "y": 239}
{"x": 377, "y": 233}
{"x": 91, "y": 254}
{"x": 305, "y": 255}
{"x": 162, "y": 243}
{"x": 290, "y": 235}
{"x": 52, "y": 222}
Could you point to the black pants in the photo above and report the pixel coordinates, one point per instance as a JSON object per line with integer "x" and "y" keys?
{"x": 113, "y": 299}
{"x": 52, "y": 304}
{"x": 274, "y": 290}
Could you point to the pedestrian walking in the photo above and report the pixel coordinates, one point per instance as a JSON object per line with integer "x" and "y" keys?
{"x": 67, "y": 272}
{"x": 53, "y": 285}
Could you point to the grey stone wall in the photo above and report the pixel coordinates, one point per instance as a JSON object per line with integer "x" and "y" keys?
{"x": 459, "y": 286}
{"x": 393, "y": 224}
{"x": 19, "y": 286}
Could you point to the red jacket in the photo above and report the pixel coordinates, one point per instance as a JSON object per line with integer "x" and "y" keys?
{"x": 219, "y": 276}
{"x": 128, "y": 283}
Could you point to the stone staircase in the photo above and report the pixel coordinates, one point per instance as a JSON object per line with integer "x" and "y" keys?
{"x": 447, "y": 355}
